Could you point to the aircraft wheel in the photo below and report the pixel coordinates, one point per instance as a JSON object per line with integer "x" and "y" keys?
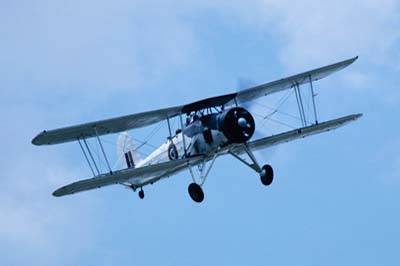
{"x": 141, "y": 194}
{"x": 267, "y": 175}
{"x": 196, "y": 192}
{"x": 172, "y": 152}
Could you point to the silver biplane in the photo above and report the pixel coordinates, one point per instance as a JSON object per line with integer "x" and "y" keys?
{"x": 209, "y": 128}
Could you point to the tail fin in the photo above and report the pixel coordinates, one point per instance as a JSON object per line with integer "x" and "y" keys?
{"x": 127, "y": 151}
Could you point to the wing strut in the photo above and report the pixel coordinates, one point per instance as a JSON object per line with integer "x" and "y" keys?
{"x": 87, "y": 159}
{"x": 102, "y": 149}
{"x": 169, "y": 128}
{"x": 313, "y": 99}
{"x": 183, "y": 135}
{"x": 300, "y": 105}
{"x": 90, "y": 154}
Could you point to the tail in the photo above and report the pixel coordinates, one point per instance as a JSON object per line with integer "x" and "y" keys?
{"x": 127, "y": 153}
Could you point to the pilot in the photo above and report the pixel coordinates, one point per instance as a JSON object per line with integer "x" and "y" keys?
{"x": 195, "y": 127}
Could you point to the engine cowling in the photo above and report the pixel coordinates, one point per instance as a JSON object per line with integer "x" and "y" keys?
{"x": 237, "y": 124}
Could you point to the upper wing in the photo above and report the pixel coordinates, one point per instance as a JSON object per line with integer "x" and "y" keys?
{"x": 123, "y": 123}
{"x": 137, "y": 176}
{"x": 298, "y": 133}
{"x": 103, "y": 127}
{"x": 287, "y": 83}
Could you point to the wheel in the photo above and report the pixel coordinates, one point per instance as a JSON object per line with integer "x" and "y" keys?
{"x": 172, "y": 152}
{"x": 196, "y": 192}
{"x": 267, "y": 175}
{"x": 141, "y": 194}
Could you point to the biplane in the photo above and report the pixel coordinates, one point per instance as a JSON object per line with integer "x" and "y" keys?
{"x": 209, "y": 128}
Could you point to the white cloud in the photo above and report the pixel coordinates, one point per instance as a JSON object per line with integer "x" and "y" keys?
{"x": 78, "y": 46}
{"x": 74, "y": 49}
{"x": 387, "y": 161}
{"x": 51, "y": 46}
{"x": 312, "y": 32}
{"x": 30, "y": 217}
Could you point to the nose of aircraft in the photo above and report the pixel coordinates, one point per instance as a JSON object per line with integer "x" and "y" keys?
{"x": 242, "y": 122}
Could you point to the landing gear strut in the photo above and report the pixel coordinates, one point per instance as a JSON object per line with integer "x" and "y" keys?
{"x": 196, "y": 192}
{"x": 267, "y": 174}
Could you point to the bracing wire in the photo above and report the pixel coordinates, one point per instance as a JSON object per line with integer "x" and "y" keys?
{"x": 273, "y": 120}
{"x": 146, "y": 139}
{"x": 275, "y": 110}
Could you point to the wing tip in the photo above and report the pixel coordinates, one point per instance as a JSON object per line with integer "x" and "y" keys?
{"x": 62, "y": 191}
{"x": 348, "y": 62}
{"x": 36, "y": 140}
{"x": 350, "y": 118}
{"x": 357, "y": 116}
{"x": 353, "y": 59}
{"x": 57, "y": 193}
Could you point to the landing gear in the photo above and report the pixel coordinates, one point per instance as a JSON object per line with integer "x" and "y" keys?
{"x": 267, "y": 174}
{"x": 172, "y": 152}
{"x": 196, "y": 192}
{"x": 141, "y": 193}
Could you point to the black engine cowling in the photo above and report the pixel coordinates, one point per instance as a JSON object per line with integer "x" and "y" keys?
{"x": 237, "y": 124}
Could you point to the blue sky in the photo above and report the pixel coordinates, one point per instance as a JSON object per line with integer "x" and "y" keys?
{"x": 335, "y": 197}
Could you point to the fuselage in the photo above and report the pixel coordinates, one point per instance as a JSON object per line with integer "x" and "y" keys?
{"x": 204, "y": 134}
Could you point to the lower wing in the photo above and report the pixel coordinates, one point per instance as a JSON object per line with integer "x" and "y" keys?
{"x": 296, "y": 134}
{"x": 148, "y": 174}
{"x": 137, "y": 176}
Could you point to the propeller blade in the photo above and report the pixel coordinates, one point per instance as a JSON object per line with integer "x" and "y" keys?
{"x": 246, "y": 83}
{"x": 243, "y": 83}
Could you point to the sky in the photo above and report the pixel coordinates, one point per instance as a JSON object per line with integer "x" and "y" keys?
{"x": 335, "y": 197}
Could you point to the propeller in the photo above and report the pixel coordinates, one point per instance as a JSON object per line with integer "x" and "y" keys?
{"x": 242, "y": 84}
{"x": 251, "y": 106}
{"x": 237, "y": 125}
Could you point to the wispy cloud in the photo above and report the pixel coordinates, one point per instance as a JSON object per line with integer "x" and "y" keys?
{"x": 77, "y": 46}
{"x": 313, "y": 33}
{"x": 316, "y": 32}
